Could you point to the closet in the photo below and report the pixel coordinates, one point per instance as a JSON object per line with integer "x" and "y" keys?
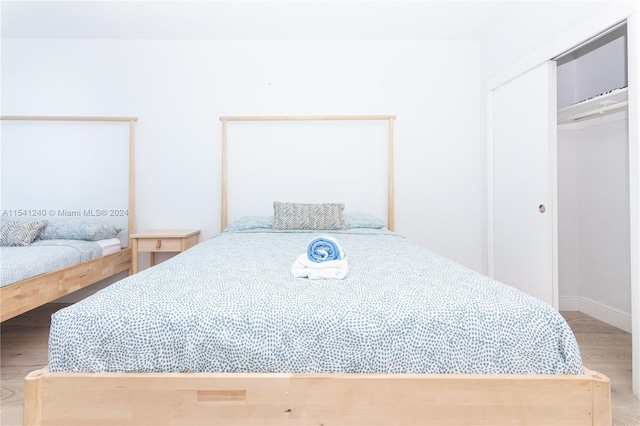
{"x": 563, "y": 142}
{"x": 594, "y": 274}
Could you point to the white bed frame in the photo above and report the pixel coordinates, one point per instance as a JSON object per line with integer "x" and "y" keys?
{"x": 23, "y": 296}
{"x": 315, "y": 399}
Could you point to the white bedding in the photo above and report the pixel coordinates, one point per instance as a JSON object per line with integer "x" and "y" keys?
{"x": 111, "y": 245}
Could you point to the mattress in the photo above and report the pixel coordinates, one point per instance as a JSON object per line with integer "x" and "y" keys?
{"x": 109, "y": 246}
{"x": 42, "y": 256}
{"x": 230, "y": 304}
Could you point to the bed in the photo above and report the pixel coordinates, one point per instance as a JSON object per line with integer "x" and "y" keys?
{"x": 44, "y": 256}
{"x": 228, "y": 336}
{"x": 50, "y": 284}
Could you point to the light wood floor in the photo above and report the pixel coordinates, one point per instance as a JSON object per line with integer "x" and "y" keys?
{"x": 604, "y": 348}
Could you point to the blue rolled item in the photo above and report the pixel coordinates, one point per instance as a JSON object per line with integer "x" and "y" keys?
{"x": 323, "y": 249}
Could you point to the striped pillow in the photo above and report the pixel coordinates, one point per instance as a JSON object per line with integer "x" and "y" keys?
{"x": 15, "y": 233}
{"x": 297, "y": 216}
{"x": 74, "y": 229}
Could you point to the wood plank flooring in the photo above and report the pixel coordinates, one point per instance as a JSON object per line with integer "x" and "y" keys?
{"x": 23, "y": 347}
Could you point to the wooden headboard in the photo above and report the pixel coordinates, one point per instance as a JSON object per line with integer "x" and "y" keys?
{"x": 131, "y": 120}
{"x": 388, "y": 118}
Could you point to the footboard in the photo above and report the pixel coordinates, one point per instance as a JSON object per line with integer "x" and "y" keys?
{"x": 314, "y": 399}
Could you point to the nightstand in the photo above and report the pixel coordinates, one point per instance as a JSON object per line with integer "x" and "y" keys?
{"x": 173, "y": 240}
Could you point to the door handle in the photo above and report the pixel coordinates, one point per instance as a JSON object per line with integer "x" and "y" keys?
{"x": 541, "y": 208}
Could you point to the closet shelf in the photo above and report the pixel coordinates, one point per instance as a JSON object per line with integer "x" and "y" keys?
{"x": 607, "y": 103}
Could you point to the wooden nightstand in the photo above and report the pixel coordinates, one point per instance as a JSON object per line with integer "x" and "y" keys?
{"x": 174, "y": 240}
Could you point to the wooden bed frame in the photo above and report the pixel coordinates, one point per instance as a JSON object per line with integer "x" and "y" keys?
{"x": 315, "y": 399}
{"x": 23, "y": 296}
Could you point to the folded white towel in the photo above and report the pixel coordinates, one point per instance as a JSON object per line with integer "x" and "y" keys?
{"x": 305, "y": 268}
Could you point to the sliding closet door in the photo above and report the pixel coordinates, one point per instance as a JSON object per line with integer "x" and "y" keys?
{"x": 523, "y": 147}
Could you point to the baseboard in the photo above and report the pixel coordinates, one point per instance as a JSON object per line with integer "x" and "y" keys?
{"x": 569, "y": 303}
{"x": 612, "y": 316}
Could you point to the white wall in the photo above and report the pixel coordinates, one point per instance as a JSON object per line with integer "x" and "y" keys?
{"x": 332, "y": 161}
{"x": 602, "y": 69}
{"x": 179, "y": 88}
{"x": 603, "y": 194}
{"x": 90, "y": 159}
{"x": 593, "y": 209}
{"x": 593, "y": 70}
{"x": 512, "y": 41}
{"x": 568, "y": 212}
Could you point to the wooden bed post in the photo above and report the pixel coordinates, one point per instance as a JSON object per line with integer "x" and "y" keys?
{"x": 132, "y": 179}
{"x": 390, "y": 206}
{"x": 224, "y": 119}
{"x": 223, "y": 204}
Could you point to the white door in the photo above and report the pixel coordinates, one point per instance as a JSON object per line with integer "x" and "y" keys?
{"x": 523, "y": 149}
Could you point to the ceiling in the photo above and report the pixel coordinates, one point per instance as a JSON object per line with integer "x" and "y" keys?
{"x": 279, "y": 20}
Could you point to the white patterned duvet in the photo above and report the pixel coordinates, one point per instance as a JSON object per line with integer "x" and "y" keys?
{"x": 230, "y": 304}
{"x": 42, "y": 256}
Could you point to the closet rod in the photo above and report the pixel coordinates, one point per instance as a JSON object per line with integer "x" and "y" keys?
{"x": 594, "y": 112}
